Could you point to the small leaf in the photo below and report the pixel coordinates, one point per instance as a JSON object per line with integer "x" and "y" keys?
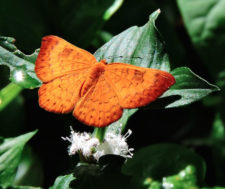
{"x": 21, "y": 65}
{"x": 112, "y": 9}
{"x": 189, "y": 87}
{"x": 160, "y": 160}
{"x": 218, "y": 130}
{"x": 10, "y": 154}
{"x": 63, "y": 182}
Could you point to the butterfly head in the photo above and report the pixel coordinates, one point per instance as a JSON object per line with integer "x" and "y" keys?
{"x": 103, "y": 61}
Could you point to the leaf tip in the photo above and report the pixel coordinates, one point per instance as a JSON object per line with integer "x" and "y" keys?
{"x": 155, "y": 14}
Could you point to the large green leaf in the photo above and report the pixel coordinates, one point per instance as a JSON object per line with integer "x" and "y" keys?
{"x": 63, "y": 182}
{"x": 10, "y": 154}
{"x": 205, "y": 23}
{"x": 161, "y": 160}
{"x": 140, "y": 46}
{"x": 21, "y": 65}
{"x": 188, "y": 88}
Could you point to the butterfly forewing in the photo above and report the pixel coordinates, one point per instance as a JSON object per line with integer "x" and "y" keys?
{"x": 58, "y": 57}
{"x": 61, "y": 94}
{"x": 137, "y": 86}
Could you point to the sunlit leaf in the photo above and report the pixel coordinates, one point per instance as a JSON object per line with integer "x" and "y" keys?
{"x": 21, "y": 66}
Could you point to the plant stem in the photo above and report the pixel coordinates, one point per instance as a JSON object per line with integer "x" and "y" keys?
{"x": 99, "y": 133}
{"x": 8, "y": 93}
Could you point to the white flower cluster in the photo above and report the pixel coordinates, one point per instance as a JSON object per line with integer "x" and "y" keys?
{"x": 90, "y": 146}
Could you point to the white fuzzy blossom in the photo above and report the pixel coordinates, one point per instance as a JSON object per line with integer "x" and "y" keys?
{"x": 89, "y": 146}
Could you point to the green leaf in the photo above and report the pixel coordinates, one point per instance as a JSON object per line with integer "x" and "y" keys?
{"x": 160, "y": 160}
{"x": 205, "y": 23}
{"x": 63, "y": 182}
{"x": 189, "y": 87}
{"x": 30, "y": 169}
{"x": 218, "y": 130}
{"x": 185, "y": 179}
{"x": 140, "y": 46}
{"x": 10, "y": 154}
{"x": 112, "y": 9}
{"x": 21, "y": 65}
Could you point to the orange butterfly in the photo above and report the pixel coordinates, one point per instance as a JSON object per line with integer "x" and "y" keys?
{"x": 96, "y": 92}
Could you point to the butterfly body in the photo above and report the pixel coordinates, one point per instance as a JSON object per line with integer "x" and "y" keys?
{"x": 95, "y": 71}
{"x": 96, "y": 92}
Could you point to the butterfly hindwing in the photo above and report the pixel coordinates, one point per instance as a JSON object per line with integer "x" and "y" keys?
{"x": 99, "y": 106}
{"x": 58, "y": 57}
{"x": 137, "y": 86}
